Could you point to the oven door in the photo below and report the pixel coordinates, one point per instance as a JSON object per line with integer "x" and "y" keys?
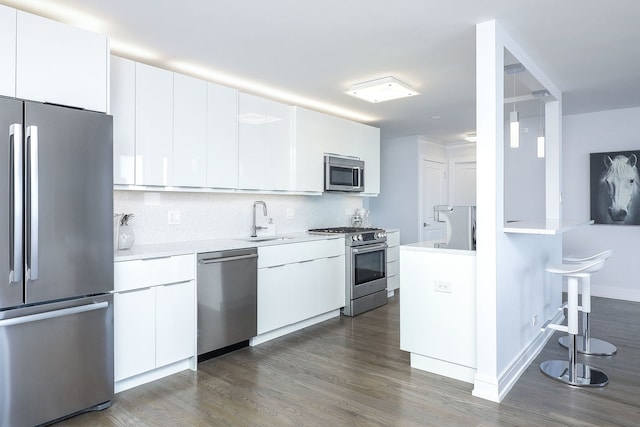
{"x": 368, "y": 269}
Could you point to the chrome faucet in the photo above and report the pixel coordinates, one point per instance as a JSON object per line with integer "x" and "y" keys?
{"x": 255, "y": 227}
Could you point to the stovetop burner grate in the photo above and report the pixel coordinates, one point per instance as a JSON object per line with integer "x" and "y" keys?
{"x": 343, "y": 230}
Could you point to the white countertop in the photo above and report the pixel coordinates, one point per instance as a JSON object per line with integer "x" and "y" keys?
{"x": 549, "y": 226}
{"x": 429, "y": 246}
{"x": 161, "y": 250}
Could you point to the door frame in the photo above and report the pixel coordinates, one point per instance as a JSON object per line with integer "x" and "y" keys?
{"x": 451, "y": 179}
{"x": 422, "y": 158}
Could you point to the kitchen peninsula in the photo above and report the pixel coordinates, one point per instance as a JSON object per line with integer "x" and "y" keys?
{"x": 438, "y": 309}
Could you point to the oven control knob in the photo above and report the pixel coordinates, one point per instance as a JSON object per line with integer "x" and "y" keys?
{"x": 360, "y": 237}
{"x": 354, "y": 238}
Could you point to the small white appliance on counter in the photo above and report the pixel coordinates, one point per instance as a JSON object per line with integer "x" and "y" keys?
{"x": 461, "y": 226}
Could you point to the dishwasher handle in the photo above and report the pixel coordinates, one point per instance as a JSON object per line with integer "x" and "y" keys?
{"x": 231, "y": 258}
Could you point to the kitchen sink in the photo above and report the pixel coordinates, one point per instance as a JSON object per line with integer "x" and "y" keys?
{"x": 266, "y": 238}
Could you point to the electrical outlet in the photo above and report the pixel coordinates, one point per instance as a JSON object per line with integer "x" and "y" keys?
{"x": 534, "y": 321}
{"x": 442, "y": 286}
{"x": 291, "y": 213}
{"x": 173, "y": 217}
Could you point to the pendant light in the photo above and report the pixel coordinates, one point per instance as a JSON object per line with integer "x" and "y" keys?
{"x": 541, "y": 137}
{"x": 514, "y": 119}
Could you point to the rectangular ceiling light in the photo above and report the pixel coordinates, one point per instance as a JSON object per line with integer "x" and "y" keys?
{"x": 380, "y": 90}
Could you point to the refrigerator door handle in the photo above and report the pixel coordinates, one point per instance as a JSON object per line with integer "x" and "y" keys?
{"x": 15, "y": 187}
{"x": 52, "y": 314}
{"x": 32, "y": 254}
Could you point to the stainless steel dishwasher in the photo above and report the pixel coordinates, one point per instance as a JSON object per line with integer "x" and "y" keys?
{"x": 227, "y": 300}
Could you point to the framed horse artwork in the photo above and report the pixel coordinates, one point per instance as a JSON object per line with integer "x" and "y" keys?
{"x": 615, "y": 188}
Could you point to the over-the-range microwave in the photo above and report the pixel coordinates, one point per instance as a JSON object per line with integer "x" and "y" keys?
{"x": 343, "y": 174}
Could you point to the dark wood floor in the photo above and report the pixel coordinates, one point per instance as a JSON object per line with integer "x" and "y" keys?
{"x": 350, "y": 371}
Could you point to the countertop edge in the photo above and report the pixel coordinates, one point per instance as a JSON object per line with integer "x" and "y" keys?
{"x": 162, "y": 250}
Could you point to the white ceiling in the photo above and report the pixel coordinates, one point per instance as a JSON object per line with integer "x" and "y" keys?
{"x": 316, "y": 49}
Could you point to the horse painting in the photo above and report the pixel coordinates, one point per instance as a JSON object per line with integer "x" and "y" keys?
{"x": 615, "y": 188}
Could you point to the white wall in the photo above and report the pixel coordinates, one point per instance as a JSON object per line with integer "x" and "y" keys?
{"x": 219, "y": 215}
{"x": 398, "y": 205}
{"x": 594, "y": 133}
{"x": 512, "y": 285}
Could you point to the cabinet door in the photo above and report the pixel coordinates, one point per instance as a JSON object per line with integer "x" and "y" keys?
{"x": 330, "y": 287}
{"x": 252, "y": 148}
{"x": 309, "y": 146}
{"x": 60, "y": 64}
{"x": 278, "y": 146}
{"x": 275, "y": 300}
{"x": 369, "y": 151}
{"x": 123, "y": 109}
{"x": 7, "y": 51}
{"x": 175, "y": 322}
{"x": 154, "y": 125}
{"x": 190, "y": 131}
{"x": 222, "y": 136}
{"x": 134, "y": 322}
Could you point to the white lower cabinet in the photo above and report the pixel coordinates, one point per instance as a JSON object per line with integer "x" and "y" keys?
{"x": 298, "y": 282}
{"x": 175, "y": 322}
{"x": 393, "y": 260}
{"x": 134, "y": 322}
{"x": 154, "y": 322}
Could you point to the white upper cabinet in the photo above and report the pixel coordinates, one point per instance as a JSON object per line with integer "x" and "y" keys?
{"x": 309, "y": 138}
{"x": 278, "y": 146}
{"x": 61, "y": 64}
{"x": 222, "y": 136}
{"x": 154, "y": 125}
{"x": 189, "y": 131}
{"x": 252, "y": 140}
{"x": 123, "y": 109}
{"x": 370, "y": 153}
{"x": 7, "y": 51}
{"x": 264, "y": 144}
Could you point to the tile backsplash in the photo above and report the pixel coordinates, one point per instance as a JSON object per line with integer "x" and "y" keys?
{"x": 205, "y": 216}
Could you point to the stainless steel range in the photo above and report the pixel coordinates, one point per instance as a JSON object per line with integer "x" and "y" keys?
{"x": 366, "y": 267}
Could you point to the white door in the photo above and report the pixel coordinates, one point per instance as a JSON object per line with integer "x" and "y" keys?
{"x": 464, "y": 185}
{"x": 433, "y": 191}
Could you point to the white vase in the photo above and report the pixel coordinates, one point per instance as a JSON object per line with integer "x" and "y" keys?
{"x": 126, "y": 237}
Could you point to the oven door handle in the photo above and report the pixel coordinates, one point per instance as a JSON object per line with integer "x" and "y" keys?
{"x": 370, "y": 248}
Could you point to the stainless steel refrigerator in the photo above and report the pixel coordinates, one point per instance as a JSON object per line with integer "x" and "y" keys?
{"x": 461, "y": 226}
{"x": 56, "y": 262}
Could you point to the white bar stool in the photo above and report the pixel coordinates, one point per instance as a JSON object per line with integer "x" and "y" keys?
{"x": 585, "y": 343}
{"x": 571, "y": 372}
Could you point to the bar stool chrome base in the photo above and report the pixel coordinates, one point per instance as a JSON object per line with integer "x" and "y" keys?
{"x": 597, "y": 347}
{"x": 586, "y": 375}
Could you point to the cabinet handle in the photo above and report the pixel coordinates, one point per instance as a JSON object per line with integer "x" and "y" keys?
{"x": 232, "y": 258}
{"x": 53, "y": 314}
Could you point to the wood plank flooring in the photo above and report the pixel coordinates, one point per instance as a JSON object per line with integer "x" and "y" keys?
{"x": 351, "y": 372}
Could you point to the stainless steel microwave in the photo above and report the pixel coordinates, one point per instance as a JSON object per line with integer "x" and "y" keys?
{"x": 343, "y": 174}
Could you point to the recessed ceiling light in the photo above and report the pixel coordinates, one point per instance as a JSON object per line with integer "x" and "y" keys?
{"x": 380, "y": 90}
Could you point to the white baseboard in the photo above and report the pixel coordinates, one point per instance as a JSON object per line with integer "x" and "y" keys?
{"x": 615, "y": 293}
{"x": 444, "y": 368}
{"x": 268, "y": 336}
{"x": 495, "y": 389}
